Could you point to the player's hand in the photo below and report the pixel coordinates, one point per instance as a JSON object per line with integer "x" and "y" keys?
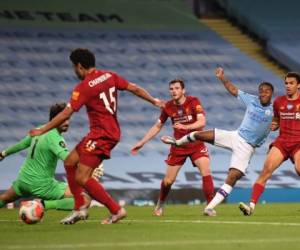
{"x": 35, "y": 132}
{"x": 135, "y": 149}
{"x": 168, "y": 140}
{"x": 220, "y": 73}
{"x": 274, "y": 125}
{"x": 2, "y": 155}
{"x": 159, "y": 103}
{"x": 179, "y": 126}
{"x": 98, "y": 172}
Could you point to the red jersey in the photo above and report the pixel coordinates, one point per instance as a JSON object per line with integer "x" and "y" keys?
{"x": 185, "y": 114}
{"x": 98, "y": 92}
{"x": 288, "y": 114}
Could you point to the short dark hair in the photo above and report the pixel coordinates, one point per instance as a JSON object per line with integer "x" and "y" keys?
{"x": 83, "y": 56}
{"x": 181, "y": 82}
{"x": 56, "y": 109}
{"x": 267, "y": 84}
{"x": 293, "y": 74}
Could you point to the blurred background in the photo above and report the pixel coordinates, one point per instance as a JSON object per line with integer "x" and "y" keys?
{"x": 149, "y": 42}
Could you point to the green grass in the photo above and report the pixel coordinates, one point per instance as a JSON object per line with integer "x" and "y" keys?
{"x": 273, "y": 226}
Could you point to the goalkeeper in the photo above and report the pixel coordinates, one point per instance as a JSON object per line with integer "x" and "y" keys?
{"x": 36, "y": 176}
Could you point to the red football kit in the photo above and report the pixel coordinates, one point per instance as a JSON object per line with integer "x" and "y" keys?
{"x": 288, "y": 114}
{"x": 98, "y": 92}
{"x": 185, "y": 114}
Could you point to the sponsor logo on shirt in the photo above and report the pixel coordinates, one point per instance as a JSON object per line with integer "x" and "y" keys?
{"x": 289, "y": 115}
{"x": 99, "y": 80}
{"x": 75, "y": 95}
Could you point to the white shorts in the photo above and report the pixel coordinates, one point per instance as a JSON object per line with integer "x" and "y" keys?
{"x": 241, "y": 150}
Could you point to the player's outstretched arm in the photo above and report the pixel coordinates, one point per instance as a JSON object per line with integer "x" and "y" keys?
{"x": 55, "y": 122}
{"x": 231, "y": 88}
{"x": 142, "y": 93}
{"x": 149, "y": 135}
{"x": 19, "y": 146}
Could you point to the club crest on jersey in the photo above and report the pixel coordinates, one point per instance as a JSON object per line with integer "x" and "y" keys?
{"x": 289, "y": 106}
{"x": 180, "y": 112}
{"x": 268, "y": 112}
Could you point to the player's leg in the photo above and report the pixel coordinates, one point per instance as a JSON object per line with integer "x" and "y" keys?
{"x": 296, "y": 159}
{"x": 58, "y": 197}
{"x": 165, "y": 187}
{"x": 9, "y": 195}
{"x": 70, "y": 165}
{"x": 97, "y": 191}
{"x": 203, "y": 164}
{"x": 274, "y": 159}
{"x": 241, "y": 155}
{"x": 233, "y": 176}
{"x": 205, "y": 136}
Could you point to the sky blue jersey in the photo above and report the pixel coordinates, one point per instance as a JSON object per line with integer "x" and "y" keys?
{"x": 257, "y": 119}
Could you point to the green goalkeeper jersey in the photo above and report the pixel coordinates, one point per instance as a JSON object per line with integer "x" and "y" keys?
{"x": 42, "y": 156}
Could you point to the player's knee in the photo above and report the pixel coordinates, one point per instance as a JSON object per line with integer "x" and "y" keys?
{"x": 168, "y": 181}
{"x": 81, "y": 179}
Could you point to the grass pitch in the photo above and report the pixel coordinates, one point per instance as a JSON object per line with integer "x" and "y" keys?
{"x": 273, "y": 226}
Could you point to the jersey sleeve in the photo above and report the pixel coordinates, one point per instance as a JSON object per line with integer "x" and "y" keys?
{"x": 245, "y": 97}
{"x": 58, "y": 146}
{"x": 24, "y": 143}
{"x": 163, "y": 116}
{"x": 121, "y": 83}
{"x": 197, "y": 107}
{"x": 79, "y": 97}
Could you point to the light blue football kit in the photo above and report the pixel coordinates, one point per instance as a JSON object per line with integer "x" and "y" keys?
{"x": 252, "y": 132}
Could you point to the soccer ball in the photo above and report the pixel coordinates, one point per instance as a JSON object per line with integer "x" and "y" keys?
{"x": 31, "y": 212}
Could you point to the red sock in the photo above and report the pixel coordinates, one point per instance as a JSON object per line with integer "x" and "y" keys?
{"x": 164, "y": 191}
{"x": 96, "y": 190}
{"x": 74, "y": 187}
{"x": 257, "y": 190}
{"x": 208, "y": 188}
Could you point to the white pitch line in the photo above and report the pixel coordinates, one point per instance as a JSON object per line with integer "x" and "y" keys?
{"x": 294, "y": 224}
{"x": 152, "y": 243}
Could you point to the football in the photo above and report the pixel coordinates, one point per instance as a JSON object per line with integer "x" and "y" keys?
{"x": 31, "y": 212}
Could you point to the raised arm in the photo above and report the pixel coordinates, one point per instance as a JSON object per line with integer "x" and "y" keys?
{"x": 55, "y": 122}
{"x": 142, "y": 93}
{"x": 148, "y": 136}
{"x": 231, "y": 88}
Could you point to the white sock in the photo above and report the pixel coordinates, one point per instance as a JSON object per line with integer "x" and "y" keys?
{"x": 186, "y": 139}
{"x": 222, "y": 193}
{"x": 252, "y": 205}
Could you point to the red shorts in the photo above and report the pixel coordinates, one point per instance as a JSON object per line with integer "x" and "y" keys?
{"x": 177, "y": 156}
{"x": 92, "y": 151}
{"x": 288, "y": 149}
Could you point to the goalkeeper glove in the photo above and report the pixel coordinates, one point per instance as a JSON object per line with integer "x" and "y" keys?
{"x": 98, "y": 172}
{"x": 2, "y": 155}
